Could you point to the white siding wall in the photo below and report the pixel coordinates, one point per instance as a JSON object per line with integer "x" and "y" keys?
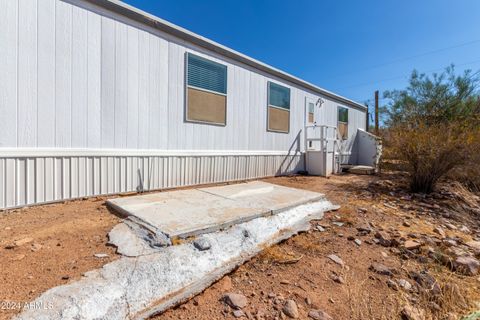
{"x": 77, "y": 78}
{"x": 74, "y": 76}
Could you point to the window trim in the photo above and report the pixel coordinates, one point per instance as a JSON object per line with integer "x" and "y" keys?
{"x": 187, "y": 86}
{"x": 277, "y": 107}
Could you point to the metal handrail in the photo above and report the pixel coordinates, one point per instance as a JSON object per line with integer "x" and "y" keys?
{"x": 325, "y": 139}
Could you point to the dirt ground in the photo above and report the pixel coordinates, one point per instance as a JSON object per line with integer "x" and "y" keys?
{"x": 46, "y": 246}
{"x": 60, "y": 241}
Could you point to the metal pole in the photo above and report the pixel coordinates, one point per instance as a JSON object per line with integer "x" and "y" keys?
{"x": 367, "y": 120}
{"x": 376, "y": 112}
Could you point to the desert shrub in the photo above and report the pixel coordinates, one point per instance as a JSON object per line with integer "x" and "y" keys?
{"x": 433, "y": 126}
{"x": 469, "y": 173}
{"x": 430, "y": 152}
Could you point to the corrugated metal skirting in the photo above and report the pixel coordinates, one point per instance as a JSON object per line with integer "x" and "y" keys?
{"x": 34, "y": 180}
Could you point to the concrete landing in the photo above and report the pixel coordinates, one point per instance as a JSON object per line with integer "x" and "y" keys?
{"x": 191, "y": 212}
{"x": 362, "y": 170}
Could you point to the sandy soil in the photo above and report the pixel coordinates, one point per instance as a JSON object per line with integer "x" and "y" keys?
{"x": 60, "y": 241}
{"x": 65, "y": 237}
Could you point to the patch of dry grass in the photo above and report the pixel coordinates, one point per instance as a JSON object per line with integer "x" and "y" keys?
{"x": 278, "y": 255}
{"x": 364, "y": 305}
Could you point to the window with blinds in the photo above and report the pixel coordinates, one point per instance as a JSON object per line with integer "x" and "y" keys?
{"x": 278, "y": 108}
{"x": 342, "y": 123}
{"x": 278, "y": 96}
{"x": 206, "y": 90}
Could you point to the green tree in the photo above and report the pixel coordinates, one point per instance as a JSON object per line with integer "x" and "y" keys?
{"x": 434, "y": 125}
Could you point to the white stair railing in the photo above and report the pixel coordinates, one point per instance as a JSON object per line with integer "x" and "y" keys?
{"x": 328, "y": 139}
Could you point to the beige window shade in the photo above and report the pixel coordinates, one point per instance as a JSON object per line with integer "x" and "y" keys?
{"x": 204, "y": 106}
{"x": 343, "y": 130}
{"x": 278, "y": 119}
{"x": 310, "y": 117}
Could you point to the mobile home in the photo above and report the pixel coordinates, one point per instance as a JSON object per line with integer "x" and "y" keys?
{"x": 98, "y": 97}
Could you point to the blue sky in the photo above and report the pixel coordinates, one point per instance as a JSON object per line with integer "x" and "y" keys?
{"x": 349, "y": 47}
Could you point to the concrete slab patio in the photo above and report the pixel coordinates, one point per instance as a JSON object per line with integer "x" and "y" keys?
{"x": 191, "y": 212}
{"x": 144, "y": 285}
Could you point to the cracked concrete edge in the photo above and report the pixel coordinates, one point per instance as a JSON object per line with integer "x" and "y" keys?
{"x": 196, "y": 288}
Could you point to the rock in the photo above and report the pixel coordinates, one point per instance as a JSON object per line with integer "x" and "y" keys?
{"x": 132, "y": 240}
{"x": 456, "y": 252}
{"x": 450, "y": 226}
{"x": 65, "y": 277}
{"x": 320, "y": 228}
{"x": 338, "y": 223}
{"x": 474, "y": 245}
{"x": 336, "y": 259}
{"x": 100, "y": 255}
{"x": 337, "y": 279}
{"x": 225, "y": 284}
{"x": 18, "y": 257}
{"x": 440, "y": 232}
{"x": 36, "y": 247}
{"x": 412, "y": 245}
{"x": 434, "y": 306}
{"x": 319, "y": 315}
{"x": 405, "y": 284}
{"x": 238, "y": 313}
{"x": 260, "y": 314}
{"x": 380, "y": 269}
{"x": 7, "y": 228}
{"x": 23, "y": 241}
{"x": 235, "y": 300}
{"x": 450, "y": 242}
{"x": 465, "y": 229}
{"x": 412, "y": 313}
{"x": 392, "y": 284}
{"x": 395, "y": 251}
{"x": 467, "y": 265}
{"x": 202, "y": 244}
{"x": 358, "y": 242}
{"x": 383, "y": 239}
{"x": 10, "y": 246}
{"x": 364, "y": 229}
{"x": 290, "y": 309}
{"x": 406, "y": 224}
{"x": 426, "y": 282}
{"x": 362, "y": 210}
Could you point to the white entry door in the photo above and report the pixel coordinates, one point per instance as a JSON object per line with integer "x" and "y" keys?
{"x": 310, "y": 119}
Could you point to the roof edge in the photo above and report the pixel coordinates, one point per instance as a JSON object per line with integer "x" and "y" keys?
{"x": 184, "y": 34}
